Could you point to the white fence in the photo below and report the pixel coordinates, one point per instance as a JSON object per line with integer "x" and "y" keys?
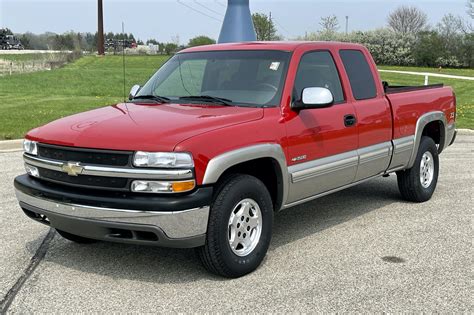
{"x": 427, "y": 75}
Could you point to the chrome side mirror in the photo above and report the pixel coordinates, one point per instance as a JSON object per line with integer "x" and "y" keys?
{"x": 314, "y": 97}
{"x": 134, "y": 91}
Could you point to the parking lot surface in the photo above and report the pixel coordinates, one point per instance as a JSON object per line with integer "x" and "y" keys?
{"x": 362, "y": 249}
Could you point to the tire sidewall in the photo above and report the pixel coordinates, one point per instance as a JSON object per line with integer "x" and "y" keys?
{"x": 245, "y": 187}
{"x": 426, "y": 145}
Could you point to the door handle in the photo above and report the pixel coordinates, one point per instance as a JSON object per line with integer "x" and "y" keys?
{"x": 350, "y": 120}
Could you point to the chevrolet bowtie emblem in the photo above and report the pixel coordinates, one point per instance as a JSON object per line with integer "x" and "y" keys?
{"x": 72, "y": 168}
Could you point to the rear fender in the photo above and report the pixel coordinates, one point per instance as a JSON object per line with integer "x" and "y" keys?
{"x": 422, "y": 122}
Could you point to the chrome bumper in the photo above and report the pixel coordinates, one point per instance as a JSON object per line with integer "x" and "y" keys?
{"x": 175, "y": 226}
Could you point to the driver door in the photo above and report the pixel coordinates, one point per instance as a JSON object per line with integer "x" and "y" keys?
{"x": 322, "y": 142}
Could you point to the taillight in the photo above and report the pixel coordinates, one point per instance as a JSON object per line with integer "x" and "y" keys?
{"x": 455, "y": 106}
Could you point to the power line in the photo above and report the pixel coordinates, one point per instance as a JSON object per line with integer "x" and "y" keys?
{"x": 281, "y": 26}
{"x": 207, "y": 8}
{"x": 199, "y": 11}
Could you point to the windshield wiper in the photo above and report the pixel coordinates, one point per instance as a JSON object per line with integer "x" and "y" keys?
{"x": 157, "y": 98}
{"x": 208, "y": 98}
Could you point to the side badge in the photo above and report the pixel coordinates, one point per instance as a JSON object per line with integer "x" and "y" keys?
{"x": 299, "y": 158}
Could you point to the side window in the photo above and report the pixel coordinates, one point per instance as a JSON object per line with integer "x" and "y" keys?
{"x": 359, "y": 73}
{"x": 317, "y": 69}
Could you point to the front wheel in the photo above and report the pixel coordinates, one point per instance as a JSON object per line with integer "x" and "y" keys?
{"x": 239, "y": 229}
{"x": 419, "y": 183}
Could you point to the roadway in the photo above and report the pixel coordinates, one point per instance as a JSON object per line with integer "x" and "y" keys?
{"x": 360, "y": 250}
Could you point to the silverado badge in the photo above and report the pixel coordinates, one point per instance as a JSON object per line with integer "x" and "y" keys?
{"x": 72, "y": 168}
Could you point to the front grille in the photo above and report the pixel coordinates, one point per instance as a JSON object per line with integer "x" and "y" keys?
{"x": 85, "y": 156}
{"x": 97, "y": 182}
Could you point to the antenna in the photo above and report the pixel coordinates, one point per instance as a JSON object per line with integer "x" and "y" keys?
{"x": 123, "y": 62}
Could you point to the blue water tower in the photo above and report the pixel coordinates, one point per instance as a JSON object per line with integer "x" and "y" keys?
{"x": 238, "y": 24}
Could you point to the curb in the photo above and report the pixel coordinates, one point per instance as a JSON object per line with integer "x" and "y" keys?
{"x": 468, "y": 132}
{"x": 17, "y": 145}
{"x": 11, "y": 145}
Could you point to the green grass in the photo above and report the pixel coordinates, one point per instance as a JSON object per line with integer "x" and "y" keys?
{"x": 31, "y": 100}
{"x": 464, "y": 90}
{"x": 29, "y": 57}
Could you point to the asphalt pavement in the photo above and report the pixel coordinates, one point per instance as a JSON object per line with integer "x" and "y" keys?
{"x": 359, "y": 250}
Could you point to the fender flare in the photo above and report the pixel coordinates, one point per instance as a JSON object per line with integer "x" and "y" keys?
{"x": 422, "y": 122}
{"x": 219, "y": 164}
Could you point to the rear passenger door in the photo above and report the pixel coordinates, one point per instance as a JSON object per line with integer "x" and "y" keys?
{"x": 322, "y": 147}
{"x": 372, "y": 112}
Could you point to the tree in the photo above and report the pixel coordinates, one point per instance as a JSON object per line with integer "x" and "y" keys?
{"x": 407, "y": 20}
{"x": 470, "y": 8}
{"x": 25, "y": 41}
{"x": 329, "y": 24}
{"x": 450, "y": 26}
{"x": 6, "y": 31}
{"x": 152, "y": 41}
{"x": 428, "y": 49}
{"x": 110, "y": 35}
{"x": 170, "y": 48}
{"x": 200, "y": 41}
{"x": 264, "y": 27}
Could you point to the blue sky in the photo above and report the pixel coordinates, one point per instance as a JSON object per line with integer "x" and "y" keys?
{"x": 164, "y": 19}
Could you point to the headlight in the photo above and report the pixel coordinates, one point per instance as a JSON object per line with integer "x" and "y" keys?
{"x": 162, "y": 159}
{"x": 145, "y": 186}
{"x": 30, "y": 147}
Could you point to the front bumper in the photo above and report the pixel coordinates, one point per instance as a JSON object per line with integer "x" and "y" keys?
{"x": 93, "y": 218}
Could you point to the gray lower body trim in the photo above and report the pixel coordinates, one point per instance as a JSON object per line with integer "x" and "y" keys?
{"x": 373, "y": 160}
{"x": 175, "y": 225}
{"x": 321, "y": 175}
{"x": 402, "y": 151}
{"x": 328, "y": 192}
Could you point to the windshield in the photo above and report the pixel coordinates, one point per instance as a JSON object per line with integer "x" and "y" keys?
{"x": 243, "y": 78}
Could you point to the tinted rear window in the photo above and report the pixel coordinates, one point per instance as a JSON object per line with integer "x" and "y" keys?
{"x": 359, "y": 73}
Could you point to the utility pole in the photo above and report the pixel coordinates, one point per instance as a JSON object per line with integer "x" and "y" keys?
{"x": 100, "y": 28}
{"x": 347, "y": 24}
{"x": 270, "y": 26}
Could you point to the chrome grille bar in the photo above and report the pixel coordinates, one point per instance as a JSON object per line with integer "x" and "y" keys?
{"x": 93, "y": 170}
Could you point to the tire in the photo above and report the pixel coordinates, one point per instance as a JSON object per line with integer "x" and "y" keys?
{"x": 241, "y": 200}
{"x": 414, "y": 187}
{"x": 76, "y": 238}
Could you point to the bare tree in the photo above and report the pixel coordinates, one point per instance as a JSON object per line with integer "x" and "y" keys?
{"x": 329, "y": 24}
{"x": 450, "y": 25}
{"x": 407, "y": 20}
{"x": 470, "y": 8}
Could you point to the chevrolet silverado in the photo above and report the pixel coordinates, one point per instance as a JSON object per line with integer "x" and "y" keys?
{"x": 222, "y": 137}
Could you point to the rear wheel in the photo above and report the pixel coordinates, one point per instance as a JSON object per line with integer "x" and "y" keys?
{"x": 239, "y": 229}
{"x": 419, "y": 183}
{"x": 76, "y": 238}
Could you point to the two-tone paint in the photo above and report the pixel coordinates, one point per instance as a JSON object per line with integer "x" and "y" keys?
{"x": 315, "y": 153}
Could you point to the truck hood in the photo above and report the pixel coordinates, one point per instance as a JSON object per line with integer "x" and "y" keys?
{"x": 145, "y": 127}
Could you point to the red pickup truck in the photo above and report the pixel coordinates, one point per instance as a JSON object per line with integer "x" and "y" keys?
{"x": 224, "y": 136}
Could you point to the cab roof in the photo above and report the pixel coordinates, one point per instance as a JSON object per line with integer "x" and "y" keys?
{"x": 284, "y": 46}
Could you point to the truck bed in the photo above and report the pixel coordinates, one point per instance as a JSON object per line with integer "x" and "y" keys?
{"x": 411, "y": 102}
